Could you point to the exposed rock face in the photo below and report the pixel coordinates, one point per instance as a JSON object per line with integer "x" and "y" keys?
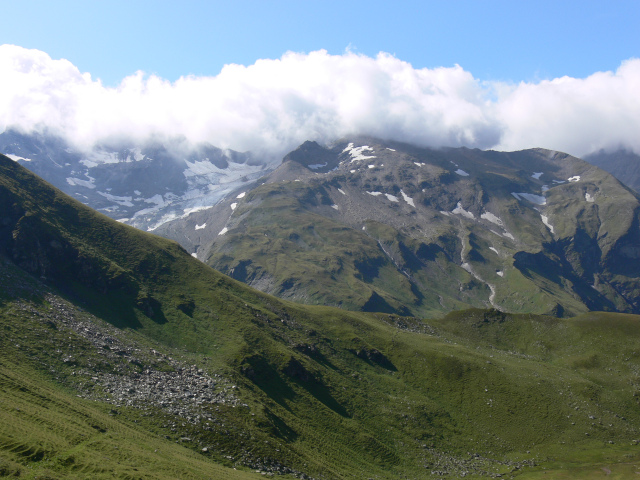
{"x": 381, "y": 226}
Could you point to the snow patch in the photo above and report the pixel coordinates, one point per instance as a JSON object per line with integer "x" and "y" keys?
{"x": 16, "y": 157}
{"x": 537, "y": 199}
{"x": 316, "y": 166}
{"x": 200, "y": 167}
{"x": 461, "y": 211}
{"x": 408, "y": 199}
{"x": 98, "y": 157}
{"x": 77, "y": 182}
{"x": 390, "y": 197}
{"x": 122, "y": 201}
{"x": 341, "y": 191}
{"x": 164, "y": 219}
{"x": 89, "y": 163}
{"x": 352, "y": 171}
{"x": 391, "y": 149}
{"x": 494, "y": 250}
{"x": 420, "y": 164}
{"x": 137, "y": 192}
{"x": 559, "y": 181}
{"x": 461, "y": 172}
{"x": 357, "y": 153}
{"x": 200, "y": 227}
{"x": 545, "y": 188}
{"x": 545, "y": 220}
{"x": 500, "y": 273}
{"x": 492, "y": 218}
{"x": 223, "y": 231}
{"x": 574, "y": 179}
{"x": 188, "y": 211}
{"x": 508, "y": 235}
{"x": 157, "y": 199}
{"x": 233, "y": 205}
{"x": 241, "y": 195}
{"x": 537, "y": 175}
{"x": 467, "y": 267}
{"x": 194, "y": 255}
{"x": 589, "y": 198}
{"x": 371, "y": 166}
{"x": 335, "y": 207}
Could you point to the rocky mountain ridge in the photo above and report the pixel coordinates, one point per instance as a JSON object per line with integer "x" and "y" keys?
{"x": 419, "y": 231}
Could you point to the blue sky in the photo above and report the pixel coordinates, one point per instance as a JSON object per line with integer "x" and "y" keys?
{"x": 268, "y": 75}
{"x": 494, "y": 40}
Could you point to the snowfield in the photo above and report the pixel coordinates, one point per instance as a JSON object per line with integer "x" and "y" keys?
{"x": 357, "y": 153}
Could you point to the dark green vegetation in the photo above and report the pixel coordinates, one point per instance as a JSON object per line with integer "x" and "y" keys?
{"x": 111, "y": 337}
{"x": 393, "y": 228}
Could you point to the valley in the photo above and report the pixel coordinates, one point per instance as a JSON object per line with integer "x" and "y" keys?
{"x": 125, "y": 357}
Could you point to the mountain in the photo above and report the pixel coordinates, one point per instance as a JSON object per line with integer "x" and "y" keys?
{"x": 622, "y": 164}
{"x": 407, "y": 230}
{"x": 382, "y": 226}
{"x": 124, "y": 357}
{"x": 142, "y": 185}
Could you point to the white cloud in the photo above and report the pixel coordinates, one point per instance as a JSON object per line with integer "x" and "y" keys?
{"x": 274, "y": 105}
{"x": 574, "y": 115}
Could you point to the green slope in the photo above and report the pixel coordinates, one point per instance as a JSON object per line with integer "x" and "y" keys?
{"x": 423, "y": 232}
{"x": 108, "y": 315}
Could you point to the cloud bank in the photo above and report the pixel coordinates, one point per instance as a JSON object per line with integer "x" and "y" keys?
{"x": 274, "y": 105}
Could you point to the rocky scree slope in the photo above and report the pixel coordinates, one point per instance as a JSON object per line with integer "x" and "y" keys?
{"x": 381, "y": 226}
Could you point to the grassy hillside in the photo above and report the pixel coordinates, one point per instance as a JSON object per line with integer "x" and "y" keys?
{"x": 112, "y": 337}
{"x": 283, "y": 248}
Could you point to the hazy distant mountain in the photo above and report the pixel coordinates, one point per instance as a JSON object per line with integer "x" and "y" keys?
{"x": 622, "y": 164}
{"x": 141, "y": 185}
{"x": 382, "y": 226}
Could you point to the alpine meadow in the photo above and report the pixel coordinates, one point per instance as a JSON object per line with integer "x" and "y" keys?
{"x": 319, "y": 240}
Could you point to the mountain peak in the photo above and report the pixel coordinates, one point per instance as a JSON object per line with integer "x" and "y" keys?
{"x": 428, "y": 230}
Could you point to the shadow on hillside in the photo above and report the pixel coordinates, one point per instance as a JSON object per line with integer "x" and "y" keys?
{"x": 266, "y": 377}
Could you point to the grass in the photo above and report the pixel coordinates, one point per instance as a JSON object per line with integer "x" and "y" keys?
{"x": 46, "y": 432}
{"x": 296, "y": 254}
{"x": 319, "y": 390}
